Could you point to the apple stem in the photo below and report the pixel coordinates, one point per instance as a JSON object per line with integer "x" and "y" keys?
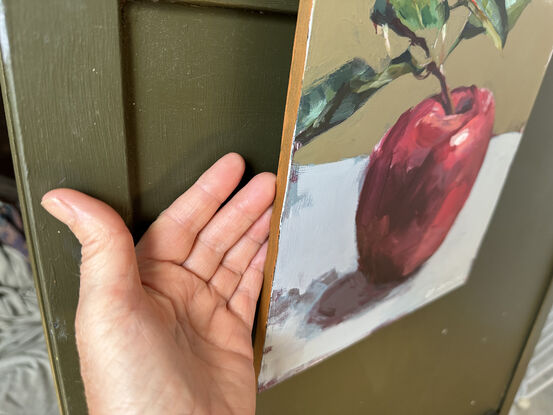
{"x": 447, "y": 102}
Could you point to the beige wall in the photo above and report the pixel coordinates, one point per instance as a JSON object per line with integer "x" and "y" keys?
{"x": 342, "y": 32}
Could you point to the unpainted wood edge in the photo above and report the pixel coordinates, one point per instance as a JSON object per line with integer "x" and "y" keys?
{"x": 12, "y": 120}
{"x": 285, "y": 7}
{"x": 528, "y": 350}
{"x": 293, "y": 97}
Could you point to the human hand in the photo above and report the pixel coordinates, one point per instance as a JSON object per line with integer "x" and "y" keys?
{"x": 165, "y": 328}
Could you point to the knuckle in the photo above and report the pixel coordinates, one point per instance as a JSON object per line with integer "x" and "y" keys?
{"x": 99, "y": 239}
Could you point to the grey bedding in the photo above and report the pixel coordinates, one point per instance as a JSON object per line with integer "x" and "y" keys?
{"x": 26, "y": 386}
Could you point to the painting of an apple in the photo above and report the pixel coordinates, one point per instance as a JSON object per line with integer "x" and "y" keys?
{"x": 403, "y": 137}
{"x": 417, "y": 181}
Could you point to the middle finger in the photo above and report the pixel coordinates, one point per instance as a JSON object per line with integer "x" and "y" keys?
{"x": 229, "y": 224}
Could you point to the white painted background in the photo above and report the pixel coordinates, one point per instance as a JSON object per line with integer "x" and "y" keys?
{"x": 317, "y": 234}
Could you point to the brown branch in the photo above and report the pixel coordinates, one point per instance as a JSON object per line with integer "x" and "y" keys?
{"x": 447, "y": 102}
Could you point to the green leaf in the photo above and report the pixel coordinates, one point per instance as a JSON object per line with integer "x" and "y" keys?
{"x": 334, "y": 98}
{"x": 401, "y": 65}
{"x": 406, "y": 16}
{"x": 421, "y": 14}
{"x": 315, "y": 100}
{"x": 514, "y": 10}
{"x": 474, "y": 26}
{"x": 492, "y": 15}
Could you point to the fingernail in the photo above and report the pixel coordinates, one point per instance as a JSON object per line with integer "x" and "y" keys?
{"x": 59, "y": 209}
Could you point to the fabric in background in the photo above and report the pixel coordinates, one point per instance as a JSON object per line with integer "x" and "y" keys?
{"x": 26, "y": 385}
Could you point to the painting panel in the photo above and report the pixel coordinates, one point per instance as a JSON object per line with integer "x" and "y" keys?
{"x": 402, "y": 121}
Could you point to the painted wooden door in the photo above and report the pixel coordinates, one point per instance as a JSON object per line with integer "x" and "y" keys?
{"x": 130, "y": 101}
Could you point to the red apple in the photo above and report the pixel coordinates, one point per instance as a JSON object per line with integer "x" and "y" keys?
{"x": 418, "y": 179}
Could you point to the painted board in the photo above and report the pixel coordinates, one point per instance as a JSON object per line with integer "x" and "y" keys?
{"x": 402, "y": 121}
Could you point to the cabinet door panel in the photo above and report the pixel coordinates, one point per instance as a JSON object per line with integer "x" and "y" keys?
{"x": 202, "y": 81}
{"x": 129, "y": 103}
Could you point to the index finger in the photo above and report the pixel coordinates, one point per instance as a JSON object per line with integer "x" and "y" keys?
{"x": 172, "y": 235}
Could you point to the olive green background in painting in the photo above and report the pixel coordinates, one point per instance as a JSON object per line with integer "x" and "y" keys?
{"x": 343, "y": 30}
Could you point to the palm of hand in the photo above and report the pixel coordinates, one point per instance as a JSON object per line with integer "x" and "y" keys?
{"x": 175, "y": 314}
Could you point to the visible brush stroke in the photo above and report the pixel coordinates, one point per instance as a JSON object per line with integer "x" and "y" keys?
{"x": 307, "y": 275}
{"x": 347, "y": 297}
{"x": 334, "y": 98}
{"x": 365, "y": 241}
{"x": 419, "y": 178}
{"x": 475, "y": 26}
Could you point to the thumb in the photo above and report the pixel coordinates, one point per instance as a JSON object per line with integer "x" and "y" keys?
{"x": 108, "y": 264}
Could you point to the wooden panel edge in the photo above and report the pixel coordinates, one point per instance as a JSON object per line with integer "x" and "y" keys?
{"x": 539, "y": 115}
{"x": 273, "y": 6}
{"x": 528, "y": 350}
{"x": 18, "y": 137}
{"x": 10, "y": 112}
{"x": 293, "y": 97}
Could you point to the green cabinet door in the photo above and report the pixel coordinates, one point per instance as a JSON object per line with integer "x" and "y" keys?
{"x": 130, "y": 101}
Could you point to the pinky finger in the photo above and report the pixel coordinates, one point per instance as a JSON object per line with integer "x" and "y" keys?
{"x": 244, "y": 299}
